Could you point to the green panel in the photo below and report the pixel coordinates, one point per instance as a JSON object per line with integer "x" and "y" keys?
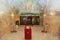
{"x": 29, "y": 14}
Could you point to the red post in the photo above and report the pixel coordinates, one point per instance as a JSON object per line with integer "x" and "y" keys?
{"x": 27, "y": 32}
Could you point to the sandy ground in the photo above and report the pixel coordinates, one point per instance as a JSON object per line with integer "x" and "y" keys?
{"x": 36, "y": 35}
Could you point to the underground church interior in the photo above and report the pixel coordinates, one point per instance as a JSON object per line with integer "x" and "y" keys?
{"x": 29, "y": 20}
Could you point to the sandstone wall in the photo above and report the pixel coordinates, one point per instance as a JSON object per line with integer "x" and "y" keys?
{"x": 4, "y": 24}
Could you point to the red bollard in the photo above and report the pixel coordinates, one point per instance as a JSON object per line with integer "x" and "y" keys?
{"x": 28, "y": 33}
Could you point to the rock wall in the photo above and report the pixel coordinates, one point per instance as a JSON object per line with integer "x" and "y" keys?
{"x": 4, "y": 24}
{"x": 54, "y": 25}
